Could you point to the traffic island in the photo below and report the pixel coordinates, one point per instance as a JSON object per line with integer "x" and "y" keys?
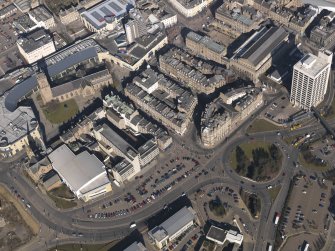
{"x": 257, "y": 160}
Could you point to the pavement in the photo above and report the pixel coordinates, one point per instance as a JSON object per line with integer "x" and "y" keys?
{"x": 66, "y": 225}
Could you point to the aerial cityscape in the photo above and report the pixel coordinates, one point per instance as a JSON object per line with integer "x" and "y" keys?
{"x": 146, "y": 125}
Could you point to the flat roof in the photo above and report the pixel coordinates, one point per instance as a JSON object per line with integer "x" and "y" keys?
{"x": 40, "y": 13}
{"x": 15, "y": 124}
{"x": 311, "y": 65}
{"x": 78, "y": 170}
{"x": 216, "y": 233}
{"x": 34, "y": 40}
{"x": 178, "y": 221}
{"x": 98, "y": 14}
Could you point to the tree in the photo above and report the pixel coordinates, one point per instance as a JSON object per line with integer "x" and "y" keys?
{"x": 274, "y": 152}
{"x": 241, "y": 160}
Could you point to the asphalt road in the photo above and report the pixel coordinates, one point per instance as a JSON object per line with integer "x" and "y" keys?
{"x": 67, "y": 222}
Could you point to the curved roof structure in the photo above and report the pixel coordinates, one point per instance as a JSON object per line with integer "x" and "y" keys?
{"x": 19, "y": 91}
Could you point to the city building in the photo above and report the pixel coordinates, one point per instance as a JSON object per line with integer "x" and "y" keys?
{"x": 133, "y": 159}
{"x": 323, "y": 35}
{"x": 17, "y": 128}
{"x": 106, "y": 15}
{"x": 35, "y": 45}
{"x": 136, "y": 246}
{"x": 135, "y": 26}
{"x": 141, "y": 50}
{"x": 310, "y": 79}
{"x": 124, "y": 116}
{"x": 173, "y": 227}
{"x": 42, "y": 17}
{"x": 226, "y": 113}
{"x": 37, "y": 170}
{"x": 175, "y": 65}
{"x": 8, "y": 11}
{"x": 206, "y": 47}
{"x": 255, "y": 56}
{"x": 221, "y": 236}
{"x": 164, "y": 100}
{"x": 190, "y": 8}
{"x": 84, "y": 174}
{"x": 236, "y": 18}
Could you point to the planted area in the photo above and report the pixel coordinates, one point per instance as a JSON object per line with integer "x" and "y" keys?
{"x": 216, "y": 207}
{"x": 257, "y": 161}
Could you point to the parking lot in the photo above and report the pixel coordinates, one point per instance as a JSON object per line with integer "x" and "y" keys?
{"x": 151, "y": 185}
{"x": 307, "y": 209}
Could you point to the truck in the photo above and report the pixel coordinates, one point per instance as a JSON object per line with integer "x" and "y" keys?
{"x": 276, "y": 219}
{"x": 116, "y": 183}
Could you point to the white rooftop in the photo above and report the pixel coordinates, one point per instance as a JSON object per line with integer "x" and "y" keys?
{"x": 312, "y": 65}
{"x": 83, "y": 172}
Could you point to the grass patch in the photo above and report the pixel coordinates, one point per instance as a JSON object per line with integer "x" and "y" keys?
{"x": 261, "y": 125}
{"x": 247, "y": 148}
{"x": 258, "y": 160}
{"x": 274, "y": 192}
{"x": 63, "y": 197}
{"x": 86, "y": 247}
{"x": 60, "y": 112}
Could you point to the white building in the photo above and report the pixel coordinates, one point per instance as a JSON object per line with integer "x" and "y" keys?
{"x": 220, "y": 236}
{"x": 190, "y": 8}
{"x": 84, "y": 173}
{"x": 173, "y": 227}
{"x": 36, "y": 45}
{"x": 310, "y": 79}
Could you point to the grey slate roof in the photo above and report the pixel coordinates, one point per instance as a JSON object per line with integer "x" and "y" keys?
{"x": 19, "y": 91}
{"x": 71, "y": 60}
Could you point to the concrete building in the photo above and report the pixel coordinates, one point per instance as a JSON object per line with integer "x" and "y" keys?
{"x": 255, "y": 56}
{"x": 17, "y": 127}
{"x": 190, "y": 8}
{"x": 236, "y": 18}
{"x": 84, "y": 173}
{"x": 206, "y": 47}
{"x": 35, "y": 45}
{"x": 310, "y": 79}
{"x": 38, "y": 169}
{"x": 154, "y": 94}
{"x": 42, "y": 17}
{"x": 220, "y": 236}
{"x": 133, "y": 159}
{"x": 173, "y": 227}
{"x": 106, "y": 15}
{"x": 226, "y": 113}
{"x": 173, "y": 64}
{"x": 135, "y": 26}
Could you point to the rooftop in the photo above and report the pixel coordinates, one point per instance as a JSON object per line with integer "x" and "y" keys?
{"x": 98, "y": 15}
{"x": 15, "y": 124}
{"x": 80, "y": 170}
{"x": 216, "y": 233}
{"x": 40, "y": 13}
{"x": 136, "y": 246}
{"x": 34, "y": 40}
{"x": 206, "y": 41}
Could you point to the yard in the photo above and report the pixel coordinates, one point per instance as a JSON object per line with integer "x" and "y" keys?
{"x": 261, "y": 125}
{"x": 58, "y": 113}
{"x": 274, "y": 192}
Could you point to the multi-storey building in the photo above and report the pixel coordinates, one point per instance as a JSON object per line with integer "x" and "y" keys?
{"x": 236, "y": 18}
{"x": 256, "y": 55}
{"x": 154, "y": 94}
{"x": 323, "y": 35}
{"x": 205, "y": 47}
{"x": 17, "y": 128}
{"x": 173, "y": 65}
{"x": 135, "y": 26}
{"x": 36, "y": 45}
{"x": 310, "y": 80}
{"x": 190, "y": 8}
{"x": 225, "y": 114}
{"x": 42, "y": 17}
